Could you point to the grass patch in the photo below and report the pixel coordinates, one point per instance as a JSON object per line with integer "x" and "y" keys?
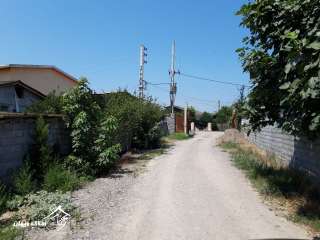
{"x": 10, "y": 233}
{"x": 286, "y": 184}
{"x": 62, "y": 179}
{"x": 152, "y": 154}
{"x": 178, "y": 136}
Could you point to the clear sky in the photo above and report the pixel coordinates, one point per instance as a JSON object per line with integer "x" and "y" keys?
{"x": 100, "y": 40}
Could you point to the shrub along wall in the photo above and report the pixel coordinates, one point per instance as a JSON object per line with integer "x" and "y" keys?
{"x": 16, "y": 137}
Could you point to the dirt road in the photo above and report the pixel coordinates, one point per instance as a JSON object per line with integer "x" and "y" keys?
{"x": 192, "y": 192}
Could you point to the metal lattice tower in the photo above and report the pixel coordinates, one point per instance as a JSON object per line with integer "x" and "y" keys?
{"x": 143, "y": 61}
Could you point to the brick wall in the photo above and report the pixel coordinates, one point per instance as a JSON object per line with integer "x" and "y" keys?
{"x": 299, "y": 153}
{"x": 16, "y": 137}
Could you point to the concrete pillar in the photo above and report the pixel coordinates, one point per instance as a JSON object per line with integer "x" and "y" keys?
{"x": 192, "y": 128}
{"x": 185, "y": 120}
{"x": 209, "y": 127}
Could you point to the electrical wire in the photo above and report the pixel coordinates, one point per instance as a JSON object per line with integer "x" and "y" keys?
{"x": 212, "y": 80}
{"x": 156, "y": 84}
{"x": 201, "y": 101}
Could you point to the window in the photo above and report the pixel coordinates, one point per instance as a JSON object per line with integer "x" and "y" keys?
{"x": 19, "y": 91}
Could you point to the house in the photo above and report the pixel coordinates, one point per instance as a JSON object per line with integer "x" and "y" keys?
{"x": 177, "y": 110}
{"x": 42, "y": 78}
{"x": 16, "y": 96}
{"x": 179, "y": 118}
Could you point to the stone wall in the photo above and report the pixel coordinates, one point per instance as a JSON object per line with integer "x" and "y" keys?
{"x": 299, "y": 153}
{"x": 16, "y": 137}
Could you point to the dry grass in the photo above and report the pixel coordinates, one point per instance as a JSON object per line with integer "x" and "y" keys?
{"x": 289, "y": 192}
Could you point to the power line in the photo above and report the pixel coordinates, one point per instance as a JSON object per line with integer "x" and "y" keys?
{"x": 212, "y": 80}
{"x": 156, "y": 84}
{"x": 202, "y": 101}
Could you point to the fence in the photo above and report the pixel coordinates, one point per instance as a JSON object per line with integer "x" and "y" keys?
{"x": 295, "y": 152}
{"x": 16, "y": 137}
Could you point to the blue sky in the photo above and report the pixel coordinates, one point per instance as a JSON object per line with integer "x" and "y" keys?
{"x": 100, "y": 40}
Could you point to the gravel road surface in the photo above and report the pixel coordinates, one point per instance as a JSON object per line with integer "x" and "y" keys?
{"x": 191, "y": 192}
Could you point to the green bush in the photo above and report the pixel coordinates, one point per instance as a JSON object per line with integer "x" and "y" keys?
{"x": 148, "y": 134}
{"x": 40, "y": 154}
{"x": 139, "y": 118}
{"x": 60, "y": 178}
{"x": 223, "y": 116}
{"x": 52, "y": 103}
{"x": 9, "y": 233}
{"x": 105, "y": 144}
{"x": 3, "y": 197}
{"x": 23, "y": 182}
{"x": 15, "y": 202}
{"x": 83, "y": 119}
{"x": 38, "y": 205}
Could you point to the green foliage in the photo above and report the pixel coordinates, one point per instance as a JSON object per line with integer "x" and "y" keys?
{"x": 3, "y": 197}
{"x": 223, "y": 116}
{"x": 123, "y": 106}
{"x": 83, "y": 115}
{"x": 62, "y": 179}
{"x": 40, "y": 204}
{"x": 147, "y": 134}
{"x": 204, "y": 120}
{"x": 282, "y": 55}
{"x": 153, "y": 137}
{"x": 9, "y": 233}
{"x": 52, "y": 103}
{"x": 106, "y": 147}
{"x": 138, "y": 119}
{"x": 40, "y": 155}
{"x": 192, "y": 114}
{"x": 15, "y": 202}
{"x": 23, "y": 182}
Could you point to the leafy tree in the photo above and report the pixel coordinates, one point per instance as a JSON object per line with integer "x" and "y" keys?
{"x": 123, "y": 106}
{"x": 148, "y": 133}
{"x": 137, "y": 118}
{"x": 223, "y": 116}
{"x": 105, "y": 144}
{"x": 192, "y": 114}
{"x": 282, "y": 55}
{"x": 52, "y": 103}
{"x": 204, "y": 120}
{"x": 83, "y": 116}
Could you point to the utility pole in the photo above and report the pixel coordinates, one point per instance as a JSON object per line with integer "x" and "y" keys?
{"x": 186, "y": 119}
{"x": 219, "y": 105}
{"x": 143, "y": 55}
{"x": 172, "y": 73}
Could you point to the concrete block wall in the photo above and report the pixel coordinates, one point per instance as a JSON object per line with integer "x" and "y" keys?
{"x": 16, "y": 137}
{"x": 171, "y": 124}
{"x": 296, "y": 152}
